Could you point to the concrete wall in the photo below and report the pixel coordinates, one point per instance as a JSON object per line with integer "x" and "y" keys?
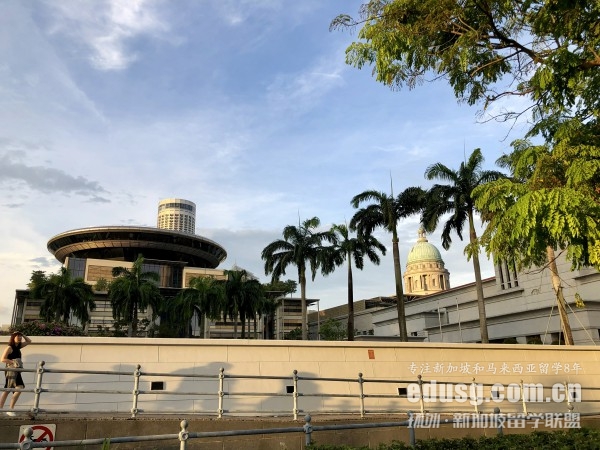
{"x": 402, "y": 362}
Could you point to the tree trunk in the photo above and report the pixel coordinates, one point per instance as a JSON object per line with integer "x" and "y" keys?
{"x": 399, "y": 290}
{"x": 243, "y": 321}
{"x": 478, "y": 284}
{"x": 132, "y": 327}
{"x": 560, "y": 298}
{"x": 303, "y": 303}
{"x": 350, "y": 300}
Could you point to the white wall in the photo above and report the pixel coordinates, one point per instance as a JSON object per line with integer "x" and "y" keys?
{"x": 401, "y": 362}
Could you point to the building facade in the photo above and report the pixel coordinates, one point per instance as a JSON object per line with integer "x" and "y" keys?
{"x": 172, "y": 250}
{"x": 520, "y": 305}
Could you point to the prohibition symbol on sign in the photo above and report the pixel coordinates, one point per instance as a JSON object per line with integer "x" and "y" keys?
{"x": 41, "y": 433}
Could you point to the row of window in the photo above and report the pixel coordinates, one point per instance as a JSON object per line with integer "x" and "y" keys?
{"x": 176, "y": 205}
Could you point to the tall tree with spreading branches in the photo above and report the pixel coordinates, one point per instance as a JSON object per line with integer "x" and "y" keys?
{"x": 550, "y": 202}
{"x": 544, "y": 51}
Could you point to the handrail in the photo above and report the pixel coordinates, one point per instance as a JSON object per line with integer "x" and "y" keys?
{"x": 225, "y": 395}
{"x": 498, "y": 422}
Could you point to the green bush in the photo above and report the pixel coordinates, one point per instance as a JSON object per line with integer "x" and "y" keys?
{"x": 580, "y": 439}
{"x": 38, "y": 328}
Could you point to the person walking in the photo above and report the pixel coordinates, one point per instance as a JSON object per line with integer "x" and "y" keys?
{"x": 12, "y": 358}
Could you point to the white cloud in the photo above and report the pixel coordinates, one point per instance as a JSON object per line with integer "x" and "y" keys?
{"x": 302, "y": 91}
{"x": 107, "y": 27}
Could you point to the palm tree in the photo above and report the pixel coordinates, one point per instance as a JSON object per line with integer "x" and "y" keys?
{"x": 301, "y": 246}
{"x": 385, "y": 211}
{"x": 268, "y": 309}
{"x": 63, "y": 296}
{"x": 346, "y": 249}
{"x": 456, "y": 199}
{"x": 244, "y": 295}
{"x": 133, "y": 290}
{"x": 203, "y": 298}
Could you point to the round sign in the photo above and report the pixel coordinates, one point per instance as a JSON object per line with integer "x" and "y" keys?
{"x": 41, "y": 433}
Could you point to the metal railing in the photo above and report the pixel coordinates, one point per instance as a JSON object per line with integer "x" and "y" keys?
{"x": 498, "y": 419}
{"x": 296, "y": 396}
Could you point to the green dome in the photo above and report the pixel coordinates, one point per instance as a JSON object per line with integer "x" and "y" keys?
{"x": 423, "y": 251}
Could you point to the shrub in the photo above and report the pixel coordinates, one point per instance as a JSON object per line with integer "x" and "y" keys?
{"x": 580, "y": 439}
{"x": 38, "y": 328}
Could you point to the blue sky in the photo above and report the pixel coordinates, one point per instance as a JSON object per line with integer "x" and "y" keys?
{"x": 245, "y": 107}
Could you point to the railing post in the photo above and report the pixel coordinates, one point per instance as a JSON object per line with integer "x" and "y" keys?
{"x": 38, "y": 388}
{"x": 136, "y": 391}
{"x": 307, "y": 430}
{"x": 524, "y": 403}
{"x": 183, "y": 435}
{"x": 570, "y": 406}
{"x": 362, "y": 394}
{"x": 474, "y": 396}
{"x": 221, "y": 393}
{"x": 25, "y": 444}
{"x": 420, "y": 381}
{"x": 499, "y": 422}
{"x": 295, "y": 395}
{"x": 412, "y": 439}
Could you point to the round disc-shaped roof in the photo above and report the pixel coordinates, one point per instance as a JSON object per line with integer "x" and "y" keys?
{"x": 125, "y": 243}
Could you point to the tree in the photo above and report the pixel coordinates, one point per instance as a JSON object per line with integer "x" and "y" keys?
{"x": 274, "y": 291}
{"x": 346, "y": 250}
{"x": 550, "y": 202}
{"x": 385, "y": 211}
{"x": 244, "y": 295}
{"x": 332, "y": 330}
{"x": 279, "y": 288}
{"x": 133, "y": 290}
{"x": 62, "y": 296}
{"x": 301, "y": 246}
{"x": 204, "y": 298}
{"x": 456, "y": 198}
{"x": 544, "y": 51}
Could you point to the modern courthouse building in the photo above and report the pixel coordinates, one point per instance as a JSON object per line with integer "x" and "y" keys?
{"x": 520, "y": 306}
{"x": 172, "y": 250}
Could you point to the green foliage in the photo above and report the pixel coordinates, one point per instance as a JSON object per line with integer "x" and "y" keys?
{"x": 384, "y": 211}
{"x": 577, "y": 438}
{"x": 205, "y": 296}
{"x": 133, "y": 290}
{"x": 301, "y": 246}
{"x": 332, "y": 330}
{"x": 454, "y": 201}
{"x": 294, "y": 335}
{"x": 351, "y": 251}
{"x": 244, "y": 296}
{"x": 551, "y": 200}
{"x": 279, "y": 288}
{"x": 101, "y": 285}
{"x": 37, "y": 328}
{"x": 543, "y": 51}
{"x": 63, "y": 296}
